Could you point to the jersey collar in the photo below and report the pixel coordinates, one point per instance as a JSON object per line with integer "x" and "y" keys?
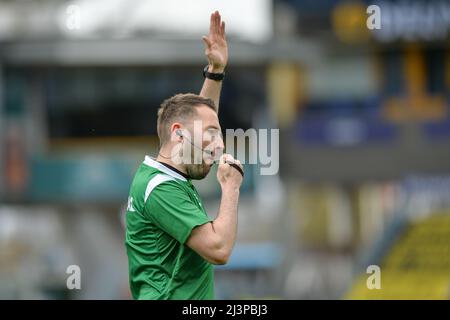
{"x": 163, "y": 168}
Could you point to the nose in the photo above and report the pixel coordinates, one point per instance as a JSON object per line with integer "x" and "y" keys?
{"x": 218, "y": 148}
{"x": 220, "y": 144}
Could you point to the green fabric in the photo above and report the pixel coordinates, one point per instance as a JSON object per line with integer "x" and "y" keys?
{"x": 161, "y": 266}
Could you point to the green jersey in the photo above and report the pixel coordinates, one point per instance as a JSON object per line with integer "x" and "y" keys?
{"x": 163, "y": 208}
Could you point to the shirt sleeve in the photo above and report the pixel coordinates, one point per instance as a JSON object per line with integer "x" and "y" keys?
{"x": 171, "y": 209}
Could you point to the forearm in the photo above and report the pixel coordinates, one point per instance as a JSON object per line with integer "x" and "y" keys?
{"x": 225, "y": 225}
{"x": 211, "y": 89}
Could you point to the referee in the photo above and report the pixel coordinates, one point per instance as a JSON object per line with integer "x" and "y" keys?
{"x": 170, "y": 240}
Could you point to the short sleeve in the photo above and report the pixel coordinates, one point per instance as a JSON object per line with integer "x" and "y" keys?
{"x": 170, "y": 208}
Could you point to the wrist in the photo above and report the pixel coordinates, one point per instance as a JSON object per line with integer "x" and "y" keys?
{"x": 216, "y": 69}
{"x": 216, "y": 76}
{"x": 227, "y": 188}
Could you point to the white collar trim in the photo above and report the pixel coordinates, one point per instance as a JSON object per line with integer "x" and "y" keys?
{"x": 155, "y": 164}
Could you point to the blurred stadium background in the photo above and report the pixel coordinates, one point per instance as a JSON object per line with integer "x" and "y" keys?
{"x": 364, "y": 141}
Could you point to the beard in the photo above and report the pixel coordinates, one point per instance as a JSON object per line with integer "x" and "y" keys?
{"x": 198, "y": 171}
{"x": 198, "y": 168}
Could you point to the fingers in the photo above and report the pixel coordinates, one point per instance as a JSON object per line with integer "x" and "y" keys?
{"x": 217, "y": 22}
{"x": 238, "y": 163}
{"x": 207, "y": 42}
{"x": 211, "y": 23}
{"x": 226, "y": 158}
{"x": 238, "y": 168}
{"x": 216, "y": 26}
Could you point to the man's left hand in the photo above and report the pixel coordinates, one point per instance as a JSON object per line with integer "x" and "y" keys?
{"x": 216, "y": 48}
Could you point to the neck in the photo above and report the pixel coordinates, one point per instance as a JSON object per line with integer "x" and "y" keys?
{"x": 164, "y": 156}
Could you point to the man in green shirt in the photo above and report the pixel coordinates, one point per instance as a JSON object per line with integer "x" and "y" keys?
{"x": 171, "y": 242}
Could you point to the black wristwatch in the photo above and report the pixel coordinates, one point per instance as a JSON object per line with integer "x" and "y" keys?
{"x": 213, "y": 76}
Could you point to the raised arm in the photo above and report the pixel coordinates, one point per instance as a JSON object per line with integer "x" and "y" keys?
{"x": 216, "y": 51}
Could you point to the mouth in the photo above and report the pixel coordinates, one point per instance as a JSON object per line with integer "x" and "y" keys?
{"x": 210, "y": 160}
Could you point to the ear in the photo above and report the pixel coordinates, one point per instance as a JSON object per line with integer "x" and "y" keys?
{"x": 175, "y": 129}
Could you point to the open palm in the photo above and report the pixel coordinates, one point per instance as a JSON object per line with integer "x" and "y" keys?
{"x": 216, "y": 48}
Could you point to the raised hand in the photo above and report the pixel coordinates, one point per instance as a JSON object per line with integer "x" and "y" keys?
{"x": 216, "y": 48}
